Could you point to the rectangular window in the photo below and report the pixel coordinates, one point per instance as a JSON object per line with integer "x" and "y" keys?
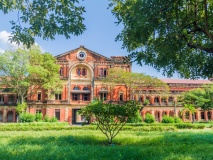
{"x": 57, "y": 96}
{"x": 38, "y": 110}
{"x": 38, "y": 96}
{"x": 86, "y": 97}
{"x": 103, "y": 96}
{"x": 75, "y": 97}
{"x": 57, "y": 114}
{"x": 121, "y": 97}
{"x": 103, "y": 72}
{"x": 61, "y": 71}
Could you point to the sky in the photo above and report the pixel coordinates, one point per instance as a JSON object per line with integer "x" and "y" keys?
{"x": 100, "y": 34}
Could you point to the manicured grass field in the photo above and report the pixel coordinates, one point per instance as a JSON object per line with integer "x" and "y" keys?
{"x": 89, "y": 144}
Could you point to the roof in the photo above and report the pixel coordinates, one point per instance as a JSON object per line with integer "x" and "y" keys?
{"x": 82, "y": 47}
{"x": 186, "y": 81}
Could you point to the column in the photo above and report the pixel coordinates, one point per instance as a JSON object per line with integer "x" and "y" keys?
{"x": 167, "y": 112}
{"x": 14, "y": 115}
{"x": 143, "y": 115}
{"x": 160, "y": 116}
{"x": 190, "y": 117}
{"x": 5, "y": 115}
{"x": 211, "y": 114}
{"x": 153, "y": 113}
{"x": 206, "y": 115}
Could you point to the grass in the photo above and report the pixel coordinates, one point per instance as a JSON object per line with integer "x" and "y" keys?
{"x": 89, "y": 144}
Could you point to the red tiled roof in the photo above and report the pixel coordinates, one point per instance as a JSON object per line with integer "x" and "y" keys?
{"x": 186, "y": 81}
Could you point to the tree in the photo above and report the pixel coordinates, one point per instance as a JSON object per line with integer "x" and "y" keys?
{"x": 46, "y": 19}
{"x": 175, "y": 36}
{"x": 194, "y": 99}
{"x": 110, "y": 118}
{"x": 138, "y": 83}
{"x": 25, "y": 70}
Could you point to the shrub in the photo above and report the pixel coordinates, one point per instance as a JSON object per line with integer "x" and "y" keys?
{"x": 53, "y": 119}
{"x": 27, "y": 117}
{"x": 189, "y": 126}
{"x": 149, "y": 118}
{"x": 38, "y": 117}
{"x": 178, "y": 120}
{"x": 167, "y": 119}
{"x": 136, "y": 119}
{"x": 46, "y": 118}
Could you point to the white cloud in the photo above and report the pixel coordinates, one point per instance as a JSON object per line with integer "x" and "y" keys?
{"x": 5, "y": 44}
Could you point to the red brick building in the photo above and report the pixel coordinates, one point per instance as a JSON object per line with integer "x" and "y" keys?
{"x": 82, "y": 72}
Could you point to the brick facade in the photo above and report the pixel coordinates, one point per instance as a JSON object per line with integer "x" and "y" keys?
{"x": 82, "y": 72}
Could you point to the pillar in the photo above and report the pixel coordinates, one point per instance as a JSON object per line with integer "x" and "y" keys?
{"x": 167, "y": 112}
{"x": 206, "y": 115}
{"x": 14, "y": 115}
{"x": 160, "y": 116}
{"x": 190, "y": 117}
{"x": 143, "y": 115}
{"x": 211, "y": 114}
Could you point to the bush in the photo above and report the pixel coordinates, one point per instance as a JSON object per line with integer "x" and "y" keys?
{"x": 178, "y": 120}
{"x": 189, "y": 126}
{"x": 136, "y": 119}
{"x": 167, "y": 119}
{"x": 53, "y": 119}
{"x": 46, "y": 118}
{"x": 27, "y": 117}
{"x": 149, "y": 118}
{"x": 38, "y": 117}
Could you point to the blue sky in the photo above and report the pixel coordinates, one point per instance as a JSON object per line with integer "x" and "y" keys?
{"x": 99, "y": 36}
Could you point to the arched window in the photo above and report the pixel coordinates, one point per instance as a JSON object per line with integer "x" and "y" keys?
{"x": 76, "y": 88}
{"x": 84, "y": 72}
{"x": 85, "y": 88}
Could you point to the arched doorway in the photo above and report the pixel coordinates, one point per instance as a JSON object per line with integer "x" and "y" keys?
{"x": 10, "y": 116}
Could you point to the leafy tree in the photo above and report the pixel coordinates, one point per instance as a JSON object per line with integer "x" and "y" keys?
{"x": 46, "y": 19}
{"x": 25, "y": 70}
{"x": 196, "y": 98}
{"x": 135, "y": 82}
{"x": 110, "y": 118}
{"x": 175, "y": 36}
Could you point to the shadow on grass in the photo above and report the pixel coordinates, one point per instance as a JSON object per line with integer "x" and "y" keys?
{"x": 158, "y": 145}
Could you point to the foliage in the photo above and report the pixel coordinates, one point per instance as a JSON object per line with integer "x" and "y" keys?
{"x": 175, "y": 36}
{"x": 189, "y": 126}
{"x": 27, "y": 117}
{"x": 21, "y": 108}
{"x": 110, "y": 117}
{"x": 136, "y": 119}
{"x": 26, "y": 70}
{"x": 178, "y": 120}
{"x": 149, "y": 118}
{"x": 137, "y": 83}
{"x": 38, "y": 117}
{"x": 53, "y": 119}
{"x": 46, "y": 118}
{"x": 168, "y": 119}
{"x": 44, "y": 19}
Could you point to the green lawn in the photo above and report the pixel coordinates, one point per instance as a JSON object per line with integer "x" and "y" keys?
{"x": 89, "y": 144}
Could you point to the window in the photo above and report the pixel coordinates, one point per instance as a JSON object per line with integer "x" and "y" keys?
{"x": 121, "y": 97}
{"x": 57, "y": 96}
{"x": 103, "y": 96}
{"x": 170, "y": 99}
{"x": 103, "y": 72}
{"x": 61, "y": 71}
{"x": 78, "y": 71}
{"x": 85, "y": 97}
{"x": 81, "y": 72}
{"x": 156, "y": 100}
{"x": 1, "y": 99}
{"x": 75, "y": 97}
{"x": 76, "y": 88}
{"x": 85, "y": 88}
{"x": 38, "y": 96}
{"x": 84, "y": 72}
{"x": 57, "y": 114}
{"x": 11, "y": 99}
{"x": 38, "y": 110}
